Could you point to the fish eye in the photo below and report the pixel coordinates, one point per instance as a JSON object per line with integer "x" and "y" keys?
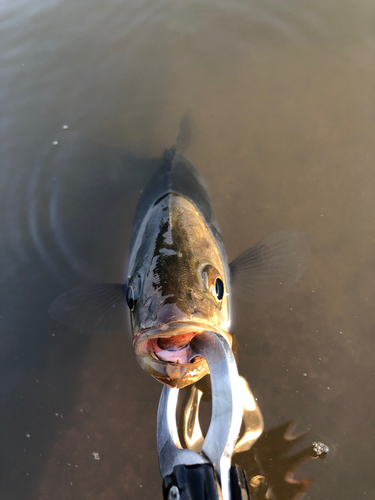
{"x": 213, "y": 282}
{"x": 130, "y": 298}
{"x": 219, "y": 289}
{"x": 132, "y": 292}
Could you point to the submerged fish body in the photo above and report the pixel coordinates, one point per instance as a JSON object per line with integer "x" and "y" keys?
{"x": 179, "y": 282}
{"x": 178, "y": 274}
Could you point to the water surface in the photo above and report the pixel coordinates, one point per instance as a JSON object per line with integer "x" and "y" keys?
{"x": 282, "y": 97}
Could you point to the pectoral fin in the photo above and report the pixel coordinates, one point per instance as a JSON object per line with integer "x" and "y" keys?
{"x": 93, "y": 309}
{"x": 271, "y": 267}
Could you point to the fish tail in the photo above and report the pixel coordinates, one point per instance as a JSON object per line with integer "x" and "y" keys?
{"x": 184, "y": 135}
{"x": 183, "y": 139}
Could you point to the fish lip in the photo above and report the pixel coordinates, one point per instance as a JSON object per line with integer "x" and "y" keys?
{"x": 178, "y": 328}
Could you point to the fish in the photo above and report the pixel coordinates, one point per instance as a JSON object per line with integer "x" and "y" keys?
{"x": 179, "y": 282}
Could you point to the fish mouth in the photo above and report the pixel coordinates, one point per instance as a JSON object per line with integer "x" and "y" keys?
{"x": 166, "y": 353}
{"x": 171, "y": 342}
{"x": 174, "y": 349}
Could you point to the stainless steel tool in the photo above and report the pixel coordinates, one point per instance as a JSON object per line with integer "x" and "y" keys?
{"x": 204, "y": 470}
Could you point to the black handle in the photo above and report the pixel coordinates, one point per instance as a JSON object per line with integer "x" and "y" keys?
{"x": 199, "y": 482}
{"x": 194, "y": 482}
{"x": 238, "y": 484}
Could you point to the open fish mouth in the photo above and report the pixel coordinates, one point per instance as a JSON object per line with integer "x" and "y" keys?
{"x": 175, "y": 349}
{"x": 171, "y": 342}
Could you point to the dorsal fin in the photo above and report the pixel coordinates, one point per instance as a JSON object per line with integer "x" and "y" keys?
{"x": 177, "y": 175}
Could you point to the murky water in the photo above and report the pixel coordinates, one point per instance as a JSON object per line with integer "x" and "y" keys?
{"x": 282, "y": 96}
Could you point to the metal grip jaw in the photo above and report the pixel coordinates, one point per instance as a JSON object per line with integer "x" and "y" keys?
{"x": 218, "y": 446}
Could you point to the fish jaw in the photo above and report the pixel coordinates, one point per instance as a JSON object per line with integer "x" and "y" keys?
{"x": 165, "y": 352}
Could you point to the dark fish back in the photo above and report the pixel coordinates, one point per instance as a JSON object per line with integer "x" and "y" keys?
{"x": 176, "y": 175}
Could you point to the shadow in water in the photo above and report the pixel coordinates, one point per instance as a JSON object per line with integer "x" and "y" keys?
{"x": 267, "y": 457}
{"x": 270, "y": 467}
{"x": 76, "y": 209}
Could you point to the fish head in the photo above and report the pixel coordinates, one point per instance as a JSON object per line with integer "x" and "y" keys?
{"x": 178, "y": 287}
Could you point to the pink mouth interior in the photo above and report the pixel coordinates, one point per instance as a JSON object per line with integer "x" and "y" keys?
{"x": 175, "y": 349}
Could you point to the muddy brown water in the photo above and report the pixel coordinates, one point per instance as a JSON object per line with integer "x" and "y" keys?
{"x": 282, "y": 96}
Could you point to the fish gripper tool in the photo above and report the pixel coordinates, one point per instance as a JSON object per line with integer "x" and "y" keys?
{"x": 208, "y": 474}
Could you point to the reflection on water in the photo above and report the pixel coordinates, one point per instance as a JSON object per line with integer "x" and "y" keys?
{"x": 75, "y": 207}
{"x": 270, "y": 467}
{"x": 266, "y": 457}
{"x": 282, "y": 95}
